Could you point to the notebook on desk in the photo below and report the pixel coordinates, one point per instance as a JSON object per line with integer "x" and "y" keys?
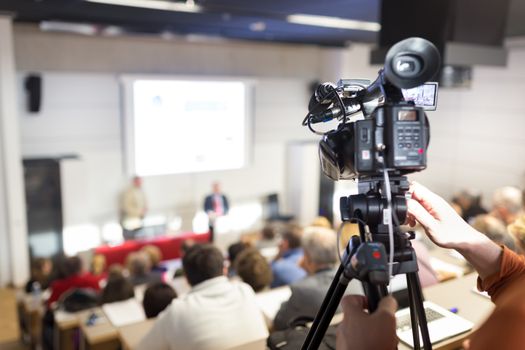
{"x": 442, "y": 324}
{"x": 125, "y": 312}
{"x": 270, "y": 302}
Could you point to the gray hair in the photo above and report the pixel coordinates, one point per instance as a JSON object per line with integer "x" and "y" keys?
{"x": 509, "y": 198}
{"x": 320, "y": 244}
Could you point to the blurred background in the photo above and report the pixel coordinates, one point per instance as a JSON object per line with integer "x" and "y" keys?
{"x": 87, "y": 91}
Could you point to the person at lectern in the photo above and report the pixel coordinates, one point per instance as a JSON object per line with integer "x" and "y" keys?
{"x": 133, "y": 208}
{"x": 215, "y": 205}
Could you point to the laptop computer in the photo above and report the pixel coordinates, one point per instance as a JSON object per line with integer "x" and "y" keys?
{"x": 442, "y": 324}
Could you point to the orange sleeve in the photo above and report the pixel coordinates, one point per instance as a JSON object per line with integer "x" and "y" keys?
{"x": 512, "y": 268}
{"x": 503, "y": 330}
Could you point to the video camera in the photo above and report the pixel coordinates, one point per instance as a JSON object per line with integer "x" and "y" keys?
{"x": 394, "y": 133}
{"x": 379, "y": 148}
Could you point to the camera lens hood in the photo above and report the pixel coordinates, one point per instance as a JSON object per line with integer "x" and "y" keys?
{"x": 411, "y": 62}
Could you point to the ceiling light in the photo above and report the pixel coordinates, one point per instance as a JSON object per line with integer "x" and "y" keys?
{"x": 67, "y": 27}
{"x": 153, "y": 4}
{"x": 333, "y": 22}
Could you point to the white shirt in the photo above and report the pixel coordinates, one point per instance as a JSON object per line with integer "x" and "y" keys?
{"x": 217, "y": 314}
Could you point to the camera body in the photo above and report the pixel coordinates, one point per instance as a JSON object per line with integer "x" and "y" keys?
{"x": 394, "y": 137}
{"x": 393, "y": 134}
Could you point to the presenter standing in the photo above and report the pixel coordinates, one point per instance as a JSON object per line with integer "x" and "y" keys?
{"x": 133, "y": 208}
{"x": 215, "y": 205}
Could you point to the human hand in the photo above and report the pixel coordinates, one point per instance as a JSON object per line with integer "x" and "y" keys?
{"x": 441, "y": 222}
{"x": 362, "y": 331}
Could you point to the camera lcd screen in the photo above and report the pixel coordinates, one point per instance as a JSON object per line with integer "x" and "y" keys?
{"x": 409, "y": 116}
{"x": 424, "y": 96}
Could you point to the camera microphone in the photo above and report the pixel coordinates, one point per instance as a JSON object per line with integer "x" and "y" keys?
{"x": 320, "y": 99}
{"x": 325, "y": 116}
{"x": 323, "y": 91}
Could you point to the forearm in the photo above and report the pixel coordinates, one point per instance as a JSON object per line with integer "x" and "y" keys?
{"x": 483, "y": 254}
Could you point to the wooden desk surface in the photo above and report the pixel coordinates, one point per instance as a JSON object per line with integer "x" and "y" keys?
{"x": 131, "y": 335}
{"x": 101, "y": 331}
{"x": 66, "y": 320}
{"x": 457, "y": 293}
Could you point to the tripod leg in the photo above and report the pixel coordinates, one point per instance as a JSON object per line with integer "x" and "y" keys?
{"x": 413, "y": 314}
{"x": 324, "y": 315}
{"x": 325, "y": 303}
{"x": 418, "y": 294}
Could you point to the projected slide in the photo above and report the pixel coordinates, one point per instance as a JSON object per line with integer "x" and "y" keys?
{"x": 188, "y": 126}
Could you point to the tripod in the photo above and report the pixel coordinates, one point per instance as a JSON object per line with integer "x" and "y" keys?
{"x": 366, "y": 260}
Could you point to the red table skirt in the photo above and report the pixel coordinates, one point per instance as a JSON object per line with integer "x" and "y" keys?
{"x": 169, "y": 246}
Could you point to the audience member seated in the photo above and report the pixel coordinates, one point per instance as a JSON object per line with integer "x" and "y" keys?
{"x": 155, "y": 257}
{"x": 268, "y": 237}
{"x": 118, "y": 287}
{"x": 185, "y": 246}
{"x": 470, "y": 204}
{"x": 139, "y": 268}
{"x": 157, "y": 297}
{"x": 70, "y": 276}
{"x": 285, "y": 267}
{"x": 233, "y": 251}
{"x": 98, "y": 267}
{"x": 253, "y": 269}
{"x": 517, "y": 230}
{"x": 507, "y": 204}
{"x": 495, "y": 230}
{"x": 320, "y": 257}
{"x": 216, "y": 314}
{"x": 40, "y": 273}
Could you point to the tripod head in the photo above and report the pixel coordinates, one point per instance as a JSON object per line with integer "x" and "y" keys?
{"x": 372, "y": 199}
{"x": 369, "y": 207}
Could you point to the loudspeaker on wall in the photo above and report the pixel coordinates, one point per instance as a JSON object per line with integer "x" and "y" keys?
{"x": 33, "y": 87}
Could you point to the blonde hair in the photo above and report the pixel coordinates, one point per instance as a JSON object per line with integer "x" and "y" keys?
{"x": 348, "y": 231}
{"x": 98, "y": 264}
{"x": 509, "y": 198}
{"x": 321, "y": 221}
{"x": 154, "y": 254}
{"x": 517, "y": 229}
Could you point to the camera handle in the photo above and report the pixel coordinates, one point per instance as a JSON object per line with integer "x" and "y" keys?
{"x": 370, "y": 275}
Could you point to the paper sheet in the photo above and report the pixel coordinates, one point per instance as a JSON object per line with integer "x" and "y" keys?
{"x": 270, "y": 302}
{"x": 124, "y": 312}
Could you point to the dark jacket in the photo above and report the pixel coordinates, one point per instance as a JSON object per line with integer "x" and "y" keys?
{"x": 307, "y": 296}
{"x": 208, "y": 203}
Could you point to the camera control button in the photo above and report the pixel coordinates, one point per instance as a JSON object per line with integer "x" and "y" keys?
{"x": 408, "y": 145}
{"x": 416, "y": 145}
{"x": 401, "y": 145}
